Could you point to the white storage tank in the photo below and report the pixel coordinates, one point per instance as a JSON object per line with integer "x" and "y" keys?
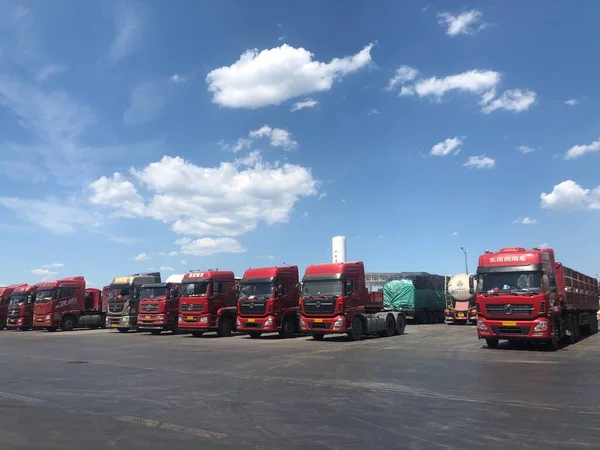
{"x": 338, "y": 246}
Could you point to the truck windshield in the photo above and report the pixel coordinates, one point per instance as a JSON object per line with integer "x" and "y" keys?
{"x": 322, "y": 288}
{"x": 194, "y": 289}
{"x": 249, "y": 290}
{"x": 44, "y": 296}
{"x": 17, "y": 299}
{"x": 117, "y": 292}
{"x": 512, "y": 282}
{"x": 149, "y": 293}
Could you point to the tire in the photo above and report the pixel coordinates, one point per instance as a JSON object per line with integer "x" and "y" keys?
{"x": 197, "y": 333}
{"x": 254, "y": 334}
{"x": 355, "y": 334}
{"x": 67, "y": 323}
{"x": 571, "y": 339}
{"x": 51, "y": 329}
{"x": 225, "y": 327}
{"x": 492, "y": 343}
{"x": 287, "y": 328}
{"x": 155, "y": 332}
{"x": 390, "y": 327}
{"x": 122, "y": 330}
{"x": 318, "y": 336}
{"x": 400, "y": 324}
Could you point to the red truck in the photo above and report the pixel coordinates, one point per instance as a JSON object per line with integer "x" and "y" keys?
{"x": 524, "y": 295}
{"x": 159, "y": 306}
{"x": 5, "y": 293}
{"x": 335, "y": 300}
{"x": 20, "y": 308}
{"x": 67, "y": 304}
{"x": 208, "y": 302}
{"x": 268, "y": 301}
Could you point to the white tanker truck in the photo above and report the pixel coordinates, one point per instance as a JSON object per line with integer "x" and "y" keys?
{"x": 460, "y": 299}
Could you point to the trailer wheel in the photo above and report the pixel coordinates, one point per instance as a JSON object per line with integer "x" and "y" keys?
{"x": 225, "y": 327}
{"x": 356, "y": 332}
{"x": 254, "y": 334}
{"x": 492, "y": 343}
{"x": 197, "y": 333}
{"x": 400, "y": 324}
{"x": 318, "y": 336}
{"x": 155, "y": 332}
{"x": 287, "y": 328}
{"x": 67, "y": 324}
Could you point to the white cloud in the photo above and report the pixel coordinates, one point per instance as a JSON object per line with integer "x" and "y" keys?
{"x": 128, "y": 25}
{"x": 373, "y": 112}
{"x": 544, "y": 245}
{"x": 447, "y": 146}
{"x": 278, "y": 137}
{"x": 403, "y": 74}
{"x": 183, "y": 262}
{"x": 271, "y": 257}
{"x": 516, "y": 100}
{"x": 480, "y": 162}
{"x": 272, "y": 76}
{"x": 305, "y": 215}
{"x": 48, "y": 70}
{"x": 307, "y": 103}
{"x": 208, "y": 246}
{"x": 571, "y": 102}
{"x": 579, "y": 150}
{"x": 224, "y": 201}
{"x": 467, "y": 22}
{"x": 569, "y": 196}
{"x": 525, "y": 221}
{"x": 177, "y": 79}
{"x": 455, "y": 233}
{"x": 166, "y": 269}
{"x": 173, "y": 253}
{"x": 146, "y": 104}
{"x": 53, "y": 266}
{"x": 142, "y": 257}
{"x": 60, "y": 217}
{"x": 525, "y": 149}
{"x": 43, "y": 273}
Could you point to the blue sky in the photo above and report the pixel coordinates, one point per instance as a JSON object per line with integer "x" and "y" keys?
{"x": 194, "y": 135}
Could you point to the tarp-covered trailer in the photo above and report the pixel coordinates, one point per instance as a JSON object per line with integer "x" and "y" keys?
{"x": 419, "y": 294}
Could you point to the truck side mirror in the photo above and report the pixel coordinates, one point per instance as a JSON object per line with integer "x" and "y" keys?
{"x": 348, "y": 286}
{"x": 279, "y": 290}
{"x": 237, "y": 289}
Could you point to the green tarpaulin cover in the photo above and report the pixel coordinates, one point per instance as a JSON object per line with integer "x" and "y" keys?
{"x": 402, "y": 294}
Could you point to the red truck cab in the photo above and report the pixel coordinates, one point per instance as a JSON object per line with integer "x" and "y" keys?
{"x": 268, "y": 301}
{"x": 335, "y": 300}
{"x": 524, "y": 295}
{"x": 159, "y": 306}
{"x": 5, "y": 300}
{"x": 208, "y": 302}
{"x": 20, "y": 308}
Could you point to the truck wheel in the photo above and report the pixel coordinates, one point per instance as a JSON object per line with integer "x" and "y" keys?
{"x": 155, "y": 332}
{"x": 122, "y": 330}
{"x": 571, "y": 338}
{"x": 67, "y": 324}
{"x": 555, "y": 339}
{"x": 254, "y": 334}
{"x": 390, "y": 327}
{"x": 492, "y": 343}
{"x": 400, "y": 324}
{"x": 357, "y": 329}
{"x": 50, "y": 328}
{"x": 197, "y": 333}
{"x": 318, "y": 336}
{"x": 225, "y": 327}
{"x": 287, "y": 328}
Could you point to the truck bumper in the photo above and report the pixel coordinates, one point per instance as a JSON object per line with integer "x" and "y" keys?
{"x": 264, "y": 324}
{"x": 153, "y": 322}
{"x": 13, "y": 324}
{"x": 121, "y": 322}
{"x": 326, "y": 325}
{"x": 515, "y": 330}
{"x": 43, "y": 321}
{"x": 461, "y": 318}
{"x": 195, "y": 322}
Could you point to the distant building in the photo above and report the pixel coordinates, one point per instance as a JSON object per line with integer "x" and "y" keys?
{"x": 375, "y": 281}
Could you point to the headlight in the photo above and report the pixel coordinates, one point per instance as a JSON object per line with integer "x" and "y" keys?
{"x": 238, "y": 323}
{"x": 204, "y": 319}
{"x": 107, "y": 322}
{"x": 542, "y": 326}
{"x": 481, "y": 325}
{"x": 125, "y": 320}
{"x": 47, "y": 316}
{"x": 339, "y": 322}
{"x": 268, "y": 322}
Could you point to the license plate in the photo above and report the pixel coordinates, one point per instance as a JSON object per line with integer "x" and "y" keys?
{"x": 318, "y": 320}
{"x": 189, "y": 318}
{"x": 147, "y": 317}
{"x": 13, "y": 321}
{"x": 509, "y": 323}
{"x": 114, "y": 325}
{"x": 460, "y": 315}
{"x": 251, "y": 320}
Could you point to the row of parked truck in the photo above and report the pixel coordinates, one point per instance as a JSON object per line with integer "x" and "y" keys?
{"x": 519, "y": 294}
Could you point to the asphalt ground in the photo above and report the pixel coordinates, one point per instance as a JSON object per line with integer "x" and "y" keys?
{"x": 437, "y": 386}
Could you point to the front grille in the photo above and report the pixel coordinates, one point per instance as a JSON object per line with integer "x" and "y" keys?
{"x": 250, "y": 307}
{"x": 252, "y": 325}
{"x": 508, "y": 309}
{"x": 115, "y": 308}
{"x": 13, "y": 313}
{"x": 149, "y": 308}
{"x": 191, "y": 307}
{"x": 320, "y": 325}
{"x": 319, "y": 306}
{"x": 510, "y": 330}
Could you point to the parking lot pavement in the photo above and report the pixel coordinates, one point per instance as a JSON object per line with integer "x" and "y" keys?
{"x": 437, "y": 386}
